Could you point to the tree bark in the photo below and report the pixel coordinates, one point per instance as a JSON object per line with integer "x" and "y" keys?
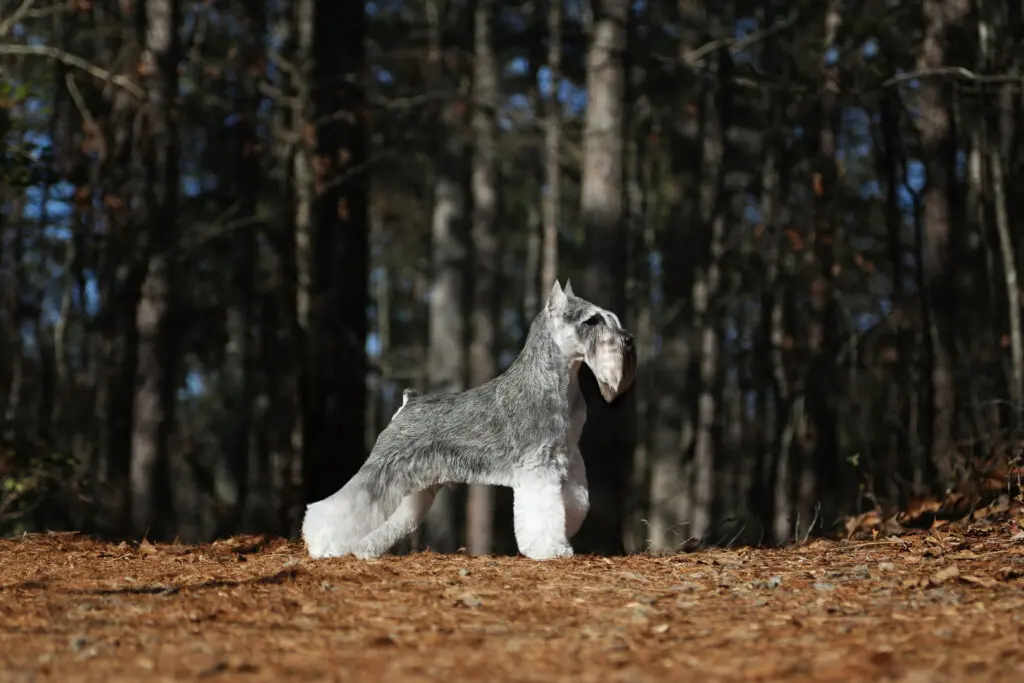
{"x": 818, "y": 443}
{"x": 155, "y": 389}
{"x": 937, "y": 155}
{"x": 447, "y": 333}
{"x": 997, "y": 172}
{"x": 673, "y": 426}
{"x": 336, "y": 394}
{"x": 706, "y": 284}
{"x": 482, "y": 349}
{"x": 608, "y": 438}
{"x": 552, "y": 197}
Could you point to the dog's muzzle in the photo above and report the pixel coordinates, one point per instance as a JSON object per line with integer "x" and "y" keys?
{"x": 620, "y": 381}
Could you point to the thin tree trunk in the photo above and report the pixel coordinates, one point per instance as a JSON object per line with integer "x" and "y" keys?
{"x": 711, "y": 212}
{"x": 672, "y": 428}
{"x": 608, "y": 438}
{"x": 1006, "y": 249}
{"x": 306, "y": 421}
{"x": 903, "y": 442}
{"x": 15, "y": 355}
{"x": 154, "y": 394}
{"x": 447, "y": 333}
{"x": 818, "y": 442}
{"x": 936, "y": 153}
{"x": 552, "y": 195}
{"x": 338, "y": 324}
{"x": 482, "y": 348}
{"x": 241, "y": 312}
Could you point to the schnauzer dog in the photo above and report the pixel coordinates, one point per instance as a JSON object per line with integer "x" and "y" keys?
{"x": 520, "y": 429}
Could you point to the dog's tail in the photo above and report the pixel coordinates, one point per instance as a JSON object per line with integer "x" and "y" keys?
{"x": 335, "y": 525}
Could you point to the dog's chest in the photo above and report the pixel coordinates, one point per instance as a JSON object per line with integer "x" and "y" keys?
{"x": 577, "y": 418}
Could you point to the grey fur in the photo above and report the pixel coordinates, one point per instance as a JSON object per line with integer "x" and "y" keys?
{"x": 520, "y": 429}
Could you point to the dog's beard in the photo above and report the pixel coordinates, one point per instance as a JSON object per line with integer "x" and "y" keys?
{"x": 615, "y": 372}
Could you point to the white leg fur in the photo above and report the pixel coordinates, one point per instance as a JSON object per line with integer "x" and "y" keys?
{"x": 539, "y": 513}
{"x": 400, "y": 524}
{"x": 334, "y": 526}
{"x": 575, "y": 494}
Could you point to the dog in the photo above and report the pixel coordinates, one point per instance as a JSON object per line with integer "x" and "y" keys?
{"x": 520, "y": 429}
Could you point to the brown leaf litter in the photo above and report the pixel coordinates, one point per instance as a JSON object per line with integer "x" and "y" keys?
{"x": 935, "y": 606}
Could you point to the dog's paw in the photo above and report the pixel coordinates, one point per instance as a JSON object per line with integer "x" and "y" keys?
{"x": 365, "y": 554}
{"x": 549, "y": 552}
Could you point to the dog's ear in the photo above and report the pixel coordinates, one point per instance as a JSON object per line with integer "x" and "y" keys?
{"x": 556, "y": 300}
{"x": 568, "y": 289}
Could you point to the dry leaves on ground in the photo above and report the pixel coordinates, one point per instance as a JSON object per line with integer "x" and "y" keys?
{"x": 932, "y": 606}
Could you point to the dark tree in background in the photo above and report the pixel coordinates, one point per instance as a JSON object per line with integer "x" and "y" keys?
{"x": 231, "y": 233}
{"x": 156, "y": 225}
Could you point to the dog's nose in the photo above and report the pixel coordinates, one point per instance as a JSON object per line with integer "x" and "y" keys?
{"x": 627, "y": 340}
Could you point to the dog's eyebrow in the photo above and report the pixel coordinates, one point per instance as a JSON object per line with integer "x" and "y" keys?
{"x": 577, "y": 312}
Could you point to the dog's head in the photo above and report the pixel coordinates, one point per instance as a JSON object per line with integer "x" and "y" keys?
{"x": 595, "y": 336}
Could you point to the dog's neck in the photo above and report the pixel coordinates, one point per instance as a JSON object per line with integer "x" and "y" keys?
{"x": 541, "y": 363}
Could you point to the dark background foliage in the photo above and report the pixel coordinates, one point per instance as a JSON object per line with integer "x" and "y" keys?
{"x": 232, "y": 231}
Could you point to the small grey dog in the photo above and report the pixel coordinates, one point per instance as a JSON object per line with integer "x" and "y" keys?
{"x": 520, "y": 429}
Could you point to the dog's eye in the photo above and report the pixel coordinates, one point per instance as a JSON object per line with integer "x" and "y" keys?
{"x": 593, "y": 320}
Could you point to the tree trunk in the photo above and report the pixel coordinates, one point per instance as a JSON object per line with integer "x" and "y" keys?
{"x": 672, "y": 425}
{"x": 552, "y": 195}
{"x": 333, "y": 434}
{"x": 711, "y": 215}
{"x": 14, "y": 356}
{"x": 239, "y": 457}
{"x": 936, "y": 155}
{"x": 997, "y": 171}
{"x": 818, "y": 464}
{"x": 903, "y": 451}
{"x": 482, "y": 349}
{"x": 447, "y": 333}
{"x": 155, "y": 389}
{"x": 608, "y": 438}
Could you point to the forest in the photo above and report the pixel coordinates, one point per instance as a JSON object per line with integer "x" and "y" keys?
{"x": 233, "y": 231}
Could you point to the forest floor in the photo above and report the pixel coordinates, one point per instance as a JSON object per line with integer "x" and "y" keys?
{"x": 926, "y": 606}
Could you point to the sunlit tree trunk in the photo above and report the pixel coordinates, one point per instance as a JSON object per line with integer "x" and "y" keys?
{"x": 447, "y": 333}
{"x": 608, "y": 438}
{"x": 705, "y": 298}
{"x": 482, "y": 349}
{"x": 552, "y": 193}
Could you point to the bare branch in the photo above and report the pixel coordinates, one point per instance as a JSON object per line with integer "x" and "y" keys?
{"x": 74, "y": 61}
{"x": 83, "y": 109}
{"x": 957, "y": 72}
{"x": 734, "y": 45}
{"x": 7, "y": 24}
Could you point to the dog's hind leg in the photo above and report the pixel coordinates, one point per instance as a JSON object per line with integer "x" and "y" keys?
{"x": 335, "y": 525}
{"x": 401, "y": 523}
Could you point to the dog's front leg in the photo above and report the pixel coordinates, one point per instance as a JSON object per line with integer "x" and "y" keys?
{"x": 539, "y": 514}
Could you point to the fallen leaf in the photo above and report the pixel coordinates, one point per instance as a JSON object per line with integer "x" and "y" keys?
{"x": 1009, "y": 573}
{"x": 469, "y": 601}
{"x": 964, "y": 555}
{"x": 982, "y": 581}
{"x": 943, "y": 575}
{"x": 147, "y": 548}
